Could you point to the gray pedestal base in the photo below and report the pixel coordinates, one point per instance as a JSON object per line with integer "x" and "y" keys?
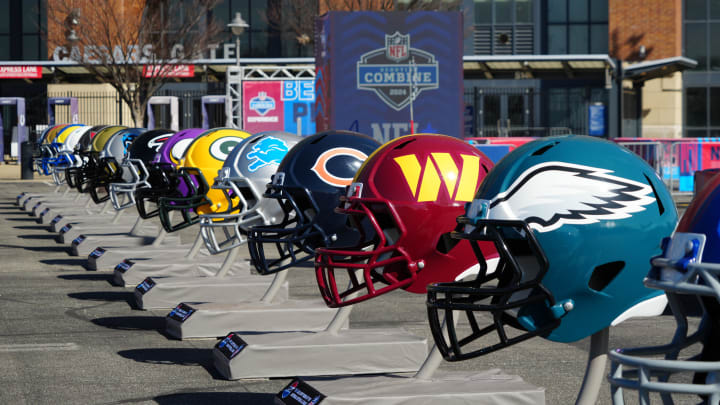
{"x": 166, "y": 293}
{"x": 106, "y": 230}
{"x": 490, "y": 387}
{"x": 169, "y": 254}
{"x": 74, "y": 219}
{"x": 216, "y": 319}
{"x": 200, "y": 267}
{"x": 362, "y": 351}
{"x": 84, "y": 247}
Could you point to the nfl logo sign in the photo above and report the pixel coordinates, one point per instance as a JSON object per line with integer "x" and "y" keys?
{"x": 397, "y": 46}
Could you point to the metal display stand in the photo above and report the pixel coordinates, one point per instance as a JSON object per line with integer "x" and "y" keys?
{"x": 270, "y": 314}
{"x": 333, "y": 351}
{"x": 84, "y": 246}
{"x": 167, "y": 292}
{"x": 488, "y": 387}
{"x": 159, "y": 257}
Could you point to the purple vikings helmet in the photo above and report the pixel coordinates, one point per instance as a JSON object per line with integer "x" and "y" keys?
{"x": 160, "y": 177}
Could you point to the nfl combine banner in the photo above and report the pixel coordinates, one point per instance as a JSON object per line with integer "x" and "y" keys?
{"x": 374, "y": 67}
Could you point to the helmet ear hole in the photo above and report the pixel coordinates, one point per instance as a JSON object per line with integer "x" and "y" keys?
{"x": 604, "y": 274}
{"x": 445, "y": 243}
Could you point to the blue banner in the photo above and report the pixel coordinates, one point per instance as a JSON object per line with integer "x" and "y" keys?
{"x": 373, "y": 68}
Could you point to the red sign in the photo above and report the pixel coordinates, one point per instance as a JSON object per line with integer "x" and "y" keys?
{"x": 20, "y": 72}
{"x": 263, "y": 108}
{"x": 169, "y": 70}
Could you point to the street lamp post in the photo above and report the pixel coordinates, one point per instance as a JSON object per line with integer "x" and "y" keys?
{"x": 237, "y": 26}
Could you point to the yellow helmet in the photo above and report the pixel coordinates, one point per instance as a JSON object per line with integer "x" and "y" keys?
{"x": 197, "y": 171}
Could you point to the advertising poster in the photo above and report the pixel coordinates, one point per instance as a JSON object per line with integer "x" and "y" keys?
{"x": 279, "y": 105}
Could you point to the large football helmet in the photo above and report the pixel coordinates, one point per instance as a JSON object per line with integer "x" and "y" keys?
{"x": 242, "y": 180}
{"x": 203, "y": 158}
{"x": 83, "y": 175}
{"x": 162, "y": 175}
{"x": 688, "y": 272}
{"x": 134, "y": 172}
{"x": 307, "y": 185}
{"x": 113, "y": 152}
{"x": 409, "y": 193}
{"x": 575, "y": 220}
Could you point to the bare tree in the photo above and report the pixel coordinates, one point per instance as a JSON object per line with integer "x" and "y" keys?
{"x": 133, "y": 44}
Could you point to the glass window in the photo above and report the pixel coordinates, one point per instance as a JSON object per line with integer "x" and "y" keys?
{"x": 503, "y": 11}
{"x": 5, "y": 17}
{"x": 578, "y": 10}
{"x": 578, "y": 39}
{"x": 698, "y": 133}
{"x": 4, "y": 47}
{"x": 558, "y": 108}
{"x": 599, "y": 38}
{"x": 523, "y": 11}
{"x": 557, "y": 11}
{"x": 714, "y": 9}
{"x": 696, "y": 44}
{"x": 221, "y": 12}
{"x": 557, "y": 39}
{"x": 31, "y": 47}
{"x": 483, "y": 11}
{"x": 715, "y": 46}
{"x": 258, "y": 16}
{"x": 715, "y": 106}
{"x": 599, "y": 10}
{"x": 695, "y": 107}
{"x": 695, "y": 9}
{"x": 30, "y": 10}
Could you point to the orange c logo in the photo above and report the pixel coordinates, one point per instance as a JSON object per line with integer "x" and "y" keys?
{"x": 320, "y": 166}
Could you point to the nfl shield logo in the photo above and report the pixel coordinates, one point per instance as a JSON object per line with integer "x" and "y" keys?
{"x": 397, "y": 46}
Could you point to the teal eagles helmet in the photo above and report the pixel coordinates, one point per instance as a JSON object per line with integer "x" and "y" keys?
{"x": 575, "y": 220}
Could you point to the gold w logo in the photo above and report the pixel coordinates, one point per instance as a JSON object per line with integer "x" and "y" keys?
{"x": 441, "y": 168}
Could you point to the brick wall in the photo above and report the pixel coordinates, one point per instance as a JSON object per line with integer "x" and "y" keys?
{"x": 656, "y": 24}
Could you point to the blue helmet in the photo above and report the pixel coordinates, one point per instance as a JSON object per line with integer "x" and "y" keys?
{"x": 688, "y": 268}
{"x": 109, "y": 170}
{"x": 307, "y": 185}
{"x": 575, "y": 220}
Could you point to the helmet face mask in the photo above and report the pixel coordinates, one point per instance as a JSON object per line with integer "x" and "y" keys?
{"x": 574, "y": 220}
{"x": 288, "y": 237}
{"x": 403, "y": 203}
{"x": 688, "y": 271}
{"x": 163, "y": 181}
{"x": 203, "y": 157}
{"x": 306, "y": 187}
{"x": 187, "y": 204}
{"x": 242, "y": 181}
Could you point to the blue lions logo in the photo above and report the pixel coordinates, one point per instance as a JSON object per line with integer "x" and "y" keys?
{"x": 267, "y": 151}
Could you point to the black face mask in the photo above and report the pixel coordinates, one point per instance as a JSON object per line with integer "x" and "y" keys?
{"x": 512, "y": 291}
{"x": 186, "y": 205}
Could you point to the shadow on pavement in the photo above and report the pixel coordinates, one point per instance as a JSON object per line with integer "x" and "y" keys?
{"x": 71, "y": 262}
{"x": 104, "y": 296}
{"x": 83, "y": 277}
{"x": 39, "y": 248}
{"x": 181, "y": 357}
{"x": 131, "y": 322}
{"x": 217, "y": 398}
{"x": 38, "y": 237}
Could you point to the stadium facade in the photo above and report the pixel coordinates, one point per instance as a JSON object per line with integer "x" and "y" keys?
{"x": 616, "y": 68}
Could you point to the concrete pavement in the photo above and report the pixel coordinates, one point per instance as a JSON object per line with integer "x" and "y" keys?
{"x": 68, "y": 336}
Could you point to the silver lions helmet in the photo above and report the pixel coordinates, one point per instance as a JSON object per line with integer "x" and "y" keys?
{"x": 243, "y": 179}
{"x": 689, "y": 273}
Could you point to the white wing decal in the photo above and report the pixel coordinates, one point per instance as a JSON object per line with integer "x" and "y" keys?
{"x": 552, "y": 194}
